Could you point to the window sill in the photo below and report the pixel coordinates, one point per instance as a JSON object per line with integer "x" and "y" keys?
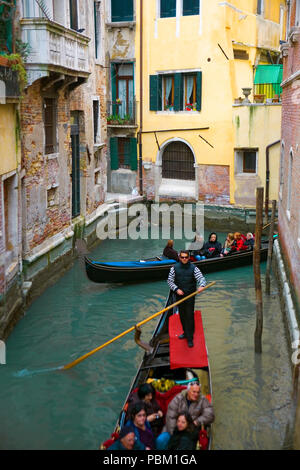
{"x": 51, "y": 156}
{"x": 121, "y": 24}
{"x": 246, "y": 175}
{"x": 179, "y": 112}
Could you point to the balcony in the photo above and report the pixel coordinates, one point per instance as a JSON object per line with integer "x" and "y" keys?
{"x": 54, "y": 48}
{"x": 9, "y": 82}
{"x": 121, "y": 113}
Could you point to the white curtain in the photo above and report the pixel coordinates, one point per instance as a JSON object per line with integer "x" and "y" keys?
{"x": 168, "y": 87}
{"x": 122, "y": 97}
{"x": 189, "y": 88}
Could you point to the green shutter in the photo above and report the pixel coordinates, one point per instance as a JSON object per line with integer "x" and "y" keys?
{"x": 199, "y": 91}
{"x": 114, "y": 153}
{"x": 133, "y": 154}
{"x": 178, "y": 92}
{"x": 113, "y": 74}
{"x": 153, "y": 92}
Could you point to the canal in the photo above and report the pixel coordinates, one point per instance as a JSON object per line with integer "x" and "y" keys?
{"x": 77, "y": 409}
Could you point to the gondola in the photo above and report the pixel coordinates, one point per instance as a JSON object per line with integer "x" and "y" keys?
{"x": 156, "y": 269}
{"x": 170, "y": 359}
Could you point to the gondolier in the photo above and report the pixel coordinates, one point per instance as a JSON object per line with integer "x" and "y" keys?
{"x": 183, "y": 279}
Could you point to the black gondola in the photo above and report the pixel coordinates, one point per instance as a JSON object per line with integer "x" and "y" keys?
{"x": 152, "y": 270}
{"x": 156, "y": 365}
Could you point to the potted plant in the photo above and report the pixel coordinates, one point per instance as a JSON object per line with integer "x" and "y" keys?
{"x": 259, "y": 98}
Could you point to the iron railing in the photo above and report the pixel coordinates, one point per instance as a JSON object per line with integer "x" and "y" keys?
{"x": 121, "y": 113}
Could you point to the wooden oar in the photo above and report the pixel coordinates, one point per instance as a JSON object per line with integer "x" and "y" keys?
{"x": 82, "y": 358}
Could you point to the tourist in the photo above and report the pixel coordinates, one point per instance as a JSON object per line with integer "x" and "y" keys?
{"x": 228, "y": 245}
{"x": 127, "y": 440}
{"x": 183, "y": 279}
{"x": 239, "y": 242}
{"x": 212, "y": 248}
{"x": 188, "y": 401}
{"x": 185, "y": 435}
{"x": 146, "y": 394}
{"x": 249, "y": 242}
{"x": 141, "y": 426}
{"x": 169, "y": 251}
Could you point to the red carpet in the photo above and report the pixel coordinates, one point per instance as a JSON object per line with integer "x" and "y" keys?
{"x": 180, "y": 354}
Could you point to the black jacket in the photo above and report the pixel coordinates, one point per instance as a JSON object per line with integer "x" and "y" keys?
{"x": 212, "y": 249}
{"x": 183, "y": 440}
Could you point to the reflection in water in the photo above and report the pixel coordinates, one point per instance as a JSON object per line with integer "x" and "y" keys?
{"x": 77, "y": 409}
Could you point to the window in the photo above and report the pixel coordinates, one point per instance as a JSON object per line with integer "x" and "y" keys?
{"x": 246, "y": 161}
{"x": 281, "y": 171}
{"x": 249, "y": 162}
{"x": 297, "y": 18}
{"x": 289, "y": 187}
{"x": 176, "y": 92}
{"x": 190, "y": 92}
{"x": 178, "y": 162}
{"x": 167, "y": 8}
{"x": 97, "y": 19}
{"x": 190, "y": 7}
{"x": 123, "y": 153}
{"x": 73, "y": 15}
{"x": 96, "y": 116}
{"x": 121, "y": 10}
{"x": 50, "y": 125}
{"x": 240, "y": 54}
{"x": 168, "y": 93}
{"x": 122, "y": 91}
{"x": 260, "y": 7}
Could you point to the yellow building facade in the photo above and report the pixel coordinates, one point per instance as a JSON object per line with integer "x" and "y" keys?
{"x": 197, "y": 56}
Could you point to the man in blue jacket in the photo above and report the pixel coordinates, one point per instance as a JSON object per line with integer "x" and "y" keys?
{"x": 183, "y": 279}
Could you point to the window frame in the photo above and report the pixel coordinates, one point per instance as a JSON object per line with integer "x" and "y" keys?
{"x": 239, "y": 165}
{"x": 297, "y": 13}
{"x": 167, "y": 16}
{"x": 54, "y": 144}
{"x": 164, "y": 98}
{"x": 120, "y": 19}
{"x": 191, "y": 14}
{"x": 185, "y": 103}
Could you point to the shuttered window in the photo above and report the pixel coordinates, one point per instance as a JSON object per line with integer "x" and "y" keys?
{"x": 96, "y": 115}
{"x": 176, "y": 92}
{"x": 123, "y": 153}
{"x": 50, "y": 125}
{"x": 167, "y": 8}
{"x": 73, "y": 15}
{"x": 190, "y": 7}
{"x": 121, "y": 10}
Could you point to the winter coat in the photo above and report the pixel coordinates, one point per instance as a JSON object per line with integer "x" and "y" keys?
{"x": 183, "y": 440}
{"x": 201, "y": 411}
{"x": 212, "y": 249}
{"x": 170, "y": 253}
{"x": 151, "y": 408}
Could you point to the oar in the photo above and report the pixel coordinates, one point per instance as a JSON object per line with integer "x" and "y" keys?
{"x": 82, "y": 358}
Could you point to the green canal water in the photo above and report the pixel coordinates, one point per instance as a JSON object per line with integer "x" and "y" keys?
{"x": 77, "y": 409}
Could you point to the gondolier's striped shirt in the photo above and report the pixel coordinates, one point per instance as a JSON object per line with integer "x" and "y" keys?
{"x": 200, "y": 279}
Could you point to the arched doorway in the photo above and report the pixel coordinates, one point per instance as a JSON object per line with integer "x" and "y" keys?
{"x": 178, "y": 162}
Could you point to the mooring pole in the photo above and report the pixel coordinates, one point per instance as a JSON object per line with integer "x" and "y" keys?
{"x": 270, "y": 247}
{"x": 256, "y": 268}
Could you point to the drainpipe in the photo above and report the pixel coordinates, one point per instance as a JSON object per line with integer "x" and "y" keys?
{"x": 141, "y": 101}
{"x": 268, "y": 176}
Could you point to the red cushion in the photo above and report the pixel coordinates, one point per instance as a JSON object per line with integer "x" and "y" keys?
{"x": 203, "y": 440}
{"x": 163, "y": 399}
{"x": 109, "y": 442}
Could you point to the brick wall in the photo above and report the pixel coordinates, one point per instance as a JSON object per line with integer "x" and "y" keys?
{"x": 214, "y": 184}
{"x": 289, "y": 222}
